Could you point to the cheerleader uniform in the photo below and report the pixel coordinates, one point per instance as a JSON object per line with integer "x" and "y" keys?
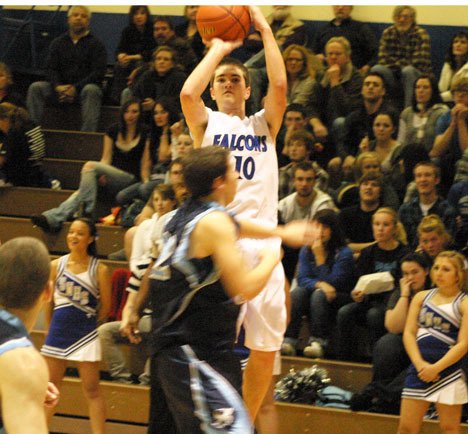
{"x": 437, "y": 333}
{"x": 73, "y": 330}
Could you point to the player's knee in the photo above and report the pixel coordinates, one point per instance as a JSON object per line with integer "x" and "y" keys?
{"x": 92, "y": 390}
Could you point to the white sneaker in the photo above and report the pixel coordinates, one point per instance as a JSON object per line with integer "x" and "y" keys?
{"x": 313, "y": 350}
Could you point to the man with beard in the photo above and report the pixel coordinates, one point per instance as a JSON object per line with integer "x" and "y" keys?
{"x": 302, "y": 204}
{"x": 75, "y": 69}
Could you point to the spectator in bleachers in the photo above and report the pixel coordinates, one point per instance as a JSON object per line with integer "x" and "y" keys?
{"x": 301, "y": 69}
{"x": 304, "y": 203}
{"x": 164, "y": 34}
{"x": 389, "y": 358}
{"x": 295, "y": 118}
{"x": 404, "y": 52}
{"x": 287, "y": 31}
{"x": 298, "y": 148}
{"x": 418, "y": 122}
{"x": 458, "y": 198}
{"x": 358, "y": 125}
{"x": 348, "y": 194}
{"x": 22, "y": 149}
{"x": 326, "y": 275}
{"x": 369, "y": 310}
{"x": 433, "y": 237}
{"x": 163, "y": 79}
{"x": 135, "y": 47}
{"x": 356, "y": 220}
{"x": 364, "y": 45}
{"x": 7, "y": 94}
{"x": 428, "y": 201}
{"x": 183, "y": 144}
{"x": 145, "y": 247}
{"x": 452, "y": 133}
{"x": 339, "y": 91}
{"x": 188, "y": 31}
{"x": 165, "y": 115}
{"x": 384, "y": 143}
{"x": 455, "y": 66}
{"x": 125, "y": 159}
{"x": 402, "y": 178}
{"x": 307, "y": 199}
{"x": 75, "y": 70}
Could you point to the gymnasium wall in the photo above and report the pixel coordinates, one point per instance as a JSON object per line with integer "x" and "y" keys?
{"x": 440, "y": 21}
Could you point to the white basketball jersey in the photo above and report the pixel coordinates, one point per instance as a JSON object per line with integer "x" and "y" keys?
{"x": 254, "y": 156}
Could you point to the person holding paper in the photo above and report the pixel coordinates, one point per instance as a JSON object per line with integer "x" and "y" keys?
{"x": 369, "y": 310}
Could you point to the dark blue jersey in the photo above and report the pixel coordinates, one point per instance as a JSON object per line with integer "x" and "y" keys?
{"x": 190, "y": 305}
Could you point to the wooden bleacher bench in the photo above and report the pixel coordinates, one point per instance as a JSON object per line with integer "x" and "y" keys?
{"x": 25, "y": 201}
{"x": 73, "y": 145}
{"x": 68, "y": 117}
{"x": 68, "y": 172}
{"x": 110, "y": 237}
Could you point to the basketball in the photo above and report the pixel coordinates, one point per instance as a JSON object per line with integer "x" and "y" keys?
{"x": 228, "y": 23}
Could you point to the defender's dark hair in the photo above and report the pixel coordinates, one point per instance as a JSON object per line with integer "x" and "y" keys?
{"x": 201, "y": 167}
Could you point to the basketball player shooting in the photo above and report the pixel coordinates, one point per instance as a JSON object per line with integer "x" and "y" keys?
{"x": 251, "y": 141}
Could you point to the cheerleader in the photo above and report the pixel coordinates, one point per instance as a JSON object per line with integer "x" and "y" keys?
{"x": 81, "y": 299}
{"x": 436, "y": 339}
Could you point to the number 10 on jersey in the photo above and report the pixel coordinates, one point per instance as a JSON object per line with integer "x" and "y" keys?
{"x": 245, "y": 166}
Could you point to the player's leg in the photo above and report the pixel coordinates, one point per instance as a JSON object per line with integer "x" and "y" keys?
{"x": 412, "y": 412}
{"x": 257, "y": 379}
{"x": 56, "y": 372}
{"x": 267, "y": 421}
{"x": 449, "y": 418}
{"x": 89, "y": 374}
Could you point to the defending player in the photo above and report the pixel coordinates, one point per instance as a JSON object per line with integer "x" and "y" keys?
{"x": 24, "y": 271}
{"x": 251, "y": 141}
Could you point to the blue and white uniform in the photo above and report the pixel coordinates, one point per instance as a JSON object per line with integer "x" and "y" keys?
{"x": 13, "y": 335}
{"x": 195, "y": 376}
{"x": 254, "y": 155}
{"x": 72, "y": 333}
{"x": 438, "y": 331}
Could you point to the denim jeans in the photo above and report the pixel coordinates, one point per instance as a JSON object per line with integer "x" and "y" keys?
{"x": 409, "y": 75}
{"x": 320, "y": 312}
{"x": 109, "y": 335}
{"x": 389, "y": 357}
{"x": 90, "y": 99}
{"x": 370, "y": 314}
{"x": 86, "y": 194}
{"x": 139, "y": 190}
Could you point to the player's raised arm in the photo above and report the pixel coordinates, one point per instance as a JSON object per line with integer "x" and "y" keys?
{"x": 193, "y": 106}
{"x": 275, "y": 100}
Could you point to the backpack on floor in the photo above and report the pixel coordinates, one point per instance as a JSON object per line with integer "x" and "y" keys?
{"x": 333, "y": 396}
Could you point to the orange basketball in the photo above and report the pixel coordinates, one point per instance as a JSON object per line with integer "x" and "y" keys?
{"x": 228, "y": 23}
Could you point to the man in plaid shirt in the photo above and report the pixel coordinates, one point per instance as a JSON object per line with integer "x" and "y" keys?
{"x": 404, "y": 52}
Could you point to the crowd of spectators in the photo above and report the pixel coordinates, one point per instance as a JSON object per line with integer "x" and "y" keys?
{"x": 372, "y": 150}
